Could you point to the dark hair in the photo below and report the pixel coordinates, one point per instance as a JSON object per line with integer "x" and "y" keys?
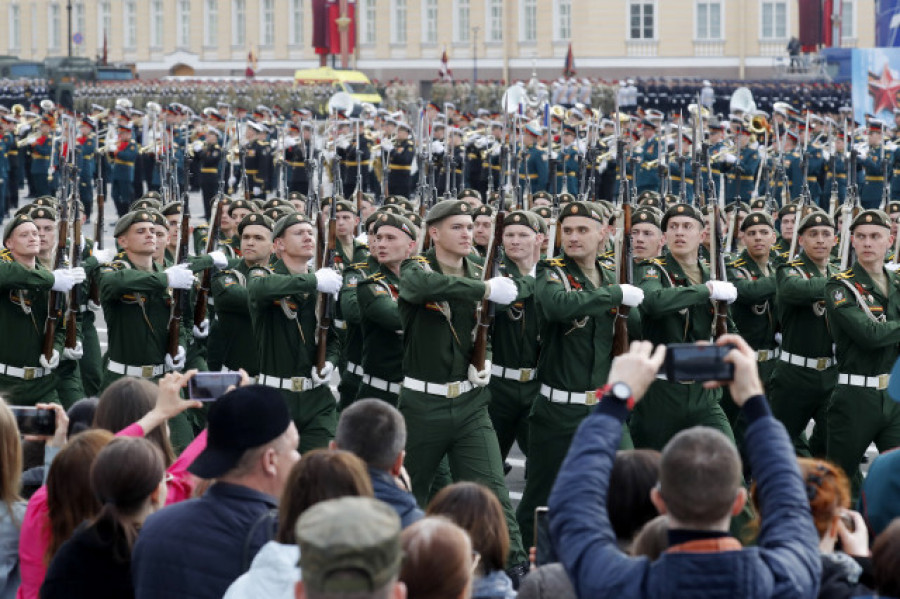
{"x": 10, "y": 459}
{"x": 653, "y": 539}
{"x": 70, "y": 500}
{"x": 437, "y": 559}
{"x": 886, "y": 560}
{"x": 699, "y": 475}
{"x": 123, "y": 476}
{"x": 81, "y": 415}
{"x": 125, "y": 402}
{"x": 634, "y": 474}
{"x": 477, "y": 511}
{"x": 373, "y": 430}
{"x": 320, "y": 475}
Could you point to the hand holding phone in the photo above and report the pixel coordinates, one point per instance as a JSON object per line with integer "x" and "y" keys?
{"x": 35, "y": 421}
{"x": 210, "y": 386}
{"x": 697, "y": 363}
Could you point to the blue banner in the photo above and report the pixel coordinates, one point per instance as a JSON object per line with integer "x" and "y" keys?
{"x": 887, "y": 23}
{"x": 876, "y": 83}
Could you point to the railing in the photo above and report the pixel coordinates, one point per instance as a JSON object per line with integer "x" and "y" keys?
{"x": 641, "y": 47}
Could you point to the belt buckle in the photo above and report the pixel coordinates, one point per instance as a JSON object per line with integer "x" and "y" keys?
{"x": 525, "y": 374}
{"x": 28, "y": 373}
{"x": 821, "y": 363}
{"x": 590, "y": 398}
{"x": 762, "y": 355}
{"x": 147, "y": 372}
{"x": 883, "y": 380}
{"x": 453, "y": 390}
{"x": 297, "y": 383}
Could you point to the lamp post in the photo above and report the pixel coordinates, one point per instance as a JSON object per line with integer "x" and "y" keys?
{"x": 69, "y": 24}
{"x": 475, "y": 54}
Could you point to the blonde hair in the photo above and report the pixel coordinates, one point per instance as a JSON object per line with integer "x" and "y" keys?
{"x": 10, "y": 458}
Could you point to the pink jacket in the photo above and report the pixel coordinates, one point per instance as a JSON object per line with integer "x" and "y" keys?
{"x": 35, "y": 534}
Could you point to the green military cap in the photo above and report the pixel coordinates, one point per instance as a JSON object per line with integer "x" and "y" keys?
{"x": 13, "y": 223}
{"x": 153, "y": 195}
{"x": 871, "y": 217}
{"x": 255, "y": 219}
{"x": 393, "y": 209}
{"x": 239, "y": 204}
{"x": 158, "y": 218}
{"x": 756, "y": 218}
{"x": 446, "y": 208}
{"x": 386, "y": 219}
{"x": 541, "y": 195}
{"x": 646, "y": 215}
{"x": 401, "y": 202}
{"x": 606, "y": 209}
{"x": 469, "y": 193}
{"x": 291, "y": 219}
{"x": 171, "y": 208}
{"x": 816, "y": 218}
{"x": 45, "y": 212}
{"x": 585, "y": 209}
{"x": 524, "y": 218}
{"x": 296, "y": 195}
{"x": 24, "y": 209}
{"x": 682, "y": 210}
{"x": 484, "y": 210}
{"x": 371, "y": 218}
{"x": 544, "y": 212}
{"x": 743, "y": 207}
{"x": 145, "y": 204}
{"x": 565, "y": 198}
{"x": 276, "y": 214}
{"x": 45, "y": 201}
{"x": 394, "y": 199}
{"x": 257, "y": 204}
{"x": 275, "y": 203}
{"x": 345, "y": 206}
{"x": 349, "y": 545}
{"x": 646, "y": 195}
{"x": 138, "y": 216}
{"x": 758, "y": 204}
{"x": 788, "y": 209}
{"x": 606, "y": 205}
{"x": 414, "y": 218}
{"x": 893, "y": 208}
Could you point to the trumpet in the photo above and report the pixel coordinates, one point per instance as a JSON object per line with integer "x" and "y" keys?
{"x": 27, "y": 141}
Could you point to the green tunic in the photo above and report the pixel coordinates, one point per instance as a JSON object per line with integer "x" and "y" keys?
{"x": 353, "y": 340}
{"x": 229, "y": 292}
{"x": 382, "y": 332}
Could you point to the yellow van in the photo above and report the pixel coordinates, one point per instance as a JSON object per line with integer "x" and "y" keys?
{"x": 354, "y": 83}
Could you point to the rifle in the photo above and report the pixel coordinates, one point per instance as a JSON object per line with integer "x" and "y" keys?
{"x": 487, "y": 309}
{"x": 242, "y": 152}
{"x": 886, "y": 188}
{"x": 75, "y": 293}
{"x": 716, "y": 255}
{"x": 56, "y": 299}
{"x": 180, "y": 297}
{"x": 624, "y": 252}
{"x": 325, "y": 311}
{"x": 212, "y": 239}
{"x": 851, "y": 204}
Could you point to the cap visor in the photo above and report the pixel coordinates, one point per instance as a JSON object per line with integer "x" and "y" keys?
{"x": 213, "y": 462}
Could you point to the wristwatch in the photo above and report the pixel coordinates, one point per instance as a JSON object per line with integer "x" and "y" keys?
{"x": 619, "y": 392}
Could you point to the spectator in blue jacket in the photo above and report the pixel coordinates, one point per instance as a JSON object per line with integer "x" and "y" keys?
{"x": 699, "y": 490}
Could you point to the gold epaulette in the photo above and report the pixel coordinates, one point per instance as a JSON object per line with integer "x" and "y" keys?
{"x": 378, "y": 276}
{"x": 657, "y": 261}
{"x": 784, "y": 254}
{"x": 555, "y": 262}
{"x": 358, "y": 265}
{"x": 608, "y": 266}
{"x": 260, "y": 271}
{"x": 420, "y": 258}
{"x": 114, "y": 266}
{"x": 795, "y": 262}
{"x": 610, "y": 254}
{"x": 201, "y": 227}
{"x": 847, "y": 274}
{"x": 738, "y": 263}
{"x": 6, "y": 255}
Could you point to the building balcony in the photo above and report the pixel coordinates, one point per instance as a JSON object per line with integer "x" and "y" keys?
{"x": 709, "y": 47}
{"x": 642, "y": 48}
{"x": 773, "y": 47}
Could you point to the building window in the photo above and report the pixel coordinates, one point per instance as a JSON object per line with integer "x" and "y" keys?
{"x": 183, "y": 27}
{"x": 368, "y": 13}
{"x": 494, "y": 20}
{"x": 211, "y": 23}
{"x": 53, "y": 32}
{"x": 529, "y": 20}
{"x": 104, "y": 22}
{"x": 398, "y": 22}
{"x": 14, "y": 23}
{"x": 267, "y": 23}
{"x": 774, "y": 20}
{"x": 848, "y": 20}
{"x": 563, "y": 14}
{"x": 296, "y": 25}
{"x": 461, "y": 28}
{"x": 78, "y": 24}
{"x": 130, "y": 24}
{"x": 642, "y": 20}
{"x": 238, "y": 23}
{"x": 156, "y": 23}
{"x": 429, "y": 21}
{"x": 709, "y": 20}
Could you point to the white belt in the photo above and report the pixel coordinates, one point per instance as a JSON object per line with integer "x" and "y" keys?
{"x": 383, "y": 385}
{"x": 879, "y": 381}
{"x": 814, "y": 363}
{"x": 764, "y": 355}
{"x": 523, "y": 375}
{"x": 145, "y": 372}
{"x": 355, "y": 369}
{"x": 587, "y": 398}
{"x": 448, "y": 390}
{"x": 210, "y": 301}
{"x": 25, "y": 372}
{"x": 339, "y": 324}
{"x": 297, "y": 384}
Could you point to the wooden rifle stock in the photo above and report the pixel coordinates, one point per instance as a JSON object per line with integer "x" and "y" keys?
{"x": 486, "y": 309}
{"x": 75, "y": 294}
{"x": 202, "y": 301}
{"x": 326, "y": 300}
{"x": 98, "y": 235}
{"x": 56, "y": 299}
{"x": 625, "y": 262}
{"x": 717, "y": 264}
{"x": 179, "y": 296}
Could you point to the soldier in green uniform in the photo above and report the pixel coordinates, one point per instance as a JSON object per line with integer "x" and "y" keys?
{"x": 646, "y": 237}
{"x": 863, "y": 307}
{"x": 805, "y": 375}
{"x": 677, "y": 309}
{"x": 443, "y": 398}
{"x": 26, "y": 376}
{"x": 283, "y": 312}
{"x": 787, "y": 217}
{"x": 577, "y": 303}
{"x": 229, "y": 292}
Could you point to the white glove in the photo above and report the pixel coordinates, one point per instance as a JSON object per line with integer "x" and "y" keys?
{"x": 176, "y": 363}
{"x": 326, "y": 374}
{"x": 482, "y": 378}
{"x": 603, "y": 165}
{"x": 343, "y": 143}
{"x": 180, "y": 276}
{"x": 581, "y": 145}
{"x": 362, "y": 238}
{"x": 778, "y": 339}
{"x": 63, "y": 280}
{"x": 387, "y": 145}
{"x": 257, "y": 190}
{"x": 327, "y": 154}
{"x": 104, "y": 255}
{"x": 631, "y": 296}
{"x": 892, "y": 266}
{"x": 198, "y": 145}
{"x": 554, "y": 155}
{"x": 495, "y": 151}
{"x": 826, "y": 155}
{"x": 730, "y": 158}
{"x": 481, "y": 142}
{"x": 503, "y": 290}
{"x": 78, "y": 274}
{"x": 73, "y": 353}
{"x": 290, "y": 142}
{"x": 862, "y": 153}
{"x": 231, "y": 182}
{"x": 437, "y": 147}
{"x": 328, "y": 280}
{"x": 722, "y": 291}
{"x": 94, "y": 307}
{"x": 219, "y": 259}
{"x": 202, "y": 332}
{"x": 52, "y": 363}
{"x": 25, "y": 129}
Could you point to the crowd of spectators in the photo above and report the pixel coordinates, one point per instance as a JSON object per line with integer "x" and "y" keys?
{"x": 240, "y": 514}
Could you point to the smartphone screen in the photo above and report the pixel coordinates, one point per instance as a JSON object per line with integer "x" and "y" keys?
{"x": 691, "y": 362}
{"x": 34, "y": 421}
{"x": 210, "y": 386}
{"x": 544, "y": 553}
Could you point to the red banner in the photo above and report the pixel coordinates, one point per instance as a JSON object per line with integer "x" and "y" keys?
{"x": 334, "y": 33}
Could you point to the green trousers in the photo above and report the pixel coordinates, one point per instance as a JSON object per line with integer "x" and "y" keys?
{"x": 668, "y": 408}
{"x": 314, "y": 413}
{"x": 856, "y": 417}
{"x": 551, "y": 427}
{"x": 461, "y": 430}
{"x": 70, "y": 387}
{"x": 511, "y": 403}
{"x": 365, "y": 391}
{"x": 19, "y": 392}
{"x": 348, "y": 389}
{"x": 91, "y": 363}
{"x": 798, "y": 394}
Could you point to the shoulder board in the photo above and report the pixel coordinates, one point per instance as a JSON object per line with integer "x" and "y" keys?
{"x": 608, "y": 254}
{"x": 6, "y": 256}
{"x": 259, "y": 271}
{"x": 797, "y": 262}
{"x": 608, "y": 266}
{"x": 115, "y": 265}
{"x": 555, "y": 262}
{"x": 358, "y": 265}
{"x": 420, "y": 258}
{"x": 656, "y": 261}
{"x": 784, "y": 254}
{"x": 847, "y": 274}
{"x": 376, "y": 277}
{"x": 738, "y": 263}
{"x": 201, "y": 227}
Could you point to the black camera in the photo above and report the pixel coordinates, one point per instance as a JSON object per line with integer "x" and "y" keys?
{"x": 35, "y": 421}
{"x": 689, "y": 362}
